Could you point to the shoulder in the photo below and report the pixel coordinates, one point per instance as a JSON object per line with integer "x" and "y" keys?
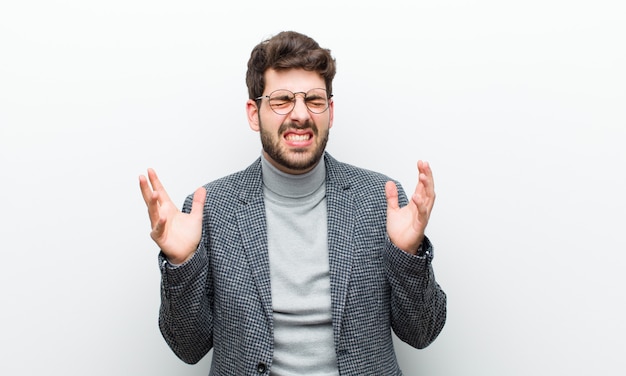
{"x": 367, "y": 185}
{"x": 353, "y": 176}
{"x": 246, "y": 179}
{"x": 240, "y": 185}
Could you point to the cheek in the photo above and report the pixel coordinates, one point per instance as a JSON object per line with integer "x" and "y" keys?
{"x": 325, "y": 122}
{"x": 270, "y": 123}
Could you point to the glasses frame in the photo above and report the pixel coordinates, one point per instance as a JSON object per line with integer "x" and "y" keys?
{"x": 293, "y": 102}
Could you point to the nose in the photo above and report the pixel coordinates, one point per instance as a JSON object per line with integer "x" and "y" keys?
{"x": 300, "y": 111}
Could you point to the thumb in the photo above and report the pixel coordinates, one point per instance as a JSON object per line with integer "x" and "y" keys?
{"x": 391, "y": 192}
{"x": 197, "y": 205}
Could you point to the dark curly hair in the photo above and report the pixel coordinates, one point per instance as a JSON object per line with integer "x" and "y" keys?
{"x": 288, "y": 50}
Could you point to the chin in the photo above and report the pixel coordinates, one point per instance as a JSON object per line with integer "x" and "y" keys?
{"x": 299, "y": 161}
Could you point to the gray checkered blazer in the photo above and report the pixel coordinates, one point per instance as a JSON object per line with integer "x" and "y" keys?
{"x": 220, "y": 299}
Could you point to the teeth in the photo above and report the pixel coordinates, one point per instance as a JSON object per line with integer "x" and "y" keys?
{"x": 297, "y": 137}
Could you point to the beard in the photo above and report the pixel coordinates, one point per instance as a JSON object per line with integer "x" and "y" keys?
{"x": 293, "y": 159}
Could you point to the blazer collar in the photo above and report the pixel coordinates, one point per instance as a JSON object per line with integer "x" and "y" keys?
{"x": 252, "y": 183}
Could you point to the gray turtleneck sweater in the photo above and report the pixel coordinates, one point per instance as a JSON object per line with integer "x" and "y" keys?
{"x": 299, "y": 273}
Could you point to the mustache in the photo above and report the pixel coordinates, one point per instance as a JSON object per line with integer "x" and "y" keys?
{"x": 290, "y": 125}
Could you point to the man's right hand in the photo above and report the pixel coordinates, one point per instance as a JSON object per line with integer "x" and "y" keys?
{"x": 176, "y": 233}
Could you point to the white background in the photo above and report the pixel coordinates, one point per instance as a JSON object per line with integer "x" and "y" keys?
{"x": 518, "y": 105}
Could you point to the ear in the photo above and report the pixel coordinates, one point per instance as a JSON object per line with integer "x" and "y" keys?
{"x": 331, "y": 113}
{"x": 252, "y": 110}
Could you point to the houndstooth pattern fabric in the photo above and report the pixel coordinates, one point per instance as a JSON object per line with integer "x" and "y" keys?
{"x": 220, "y": 299}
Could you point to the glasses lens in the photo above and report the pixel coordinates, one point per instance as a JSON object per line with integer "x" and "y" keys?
{"x": 316, "y": 100}
{"x": 281, "y": 101}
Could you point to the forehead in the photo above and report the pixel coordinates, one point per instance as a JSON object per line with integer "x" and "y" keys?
{"x": 292, "y": 79}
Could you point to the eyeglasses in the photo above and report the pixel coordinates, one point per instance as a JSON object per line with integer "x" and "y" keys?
{"x": 283, "y": 101}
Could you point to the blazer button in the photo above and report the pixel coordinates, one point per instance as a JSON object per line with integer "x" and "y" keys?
{"x": 261, "y": 367}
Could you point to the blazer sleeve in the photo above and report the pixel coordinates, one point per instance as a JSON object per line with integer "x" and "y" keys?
{"x": 418, "y": 304}
{"x": 186, "y": 312}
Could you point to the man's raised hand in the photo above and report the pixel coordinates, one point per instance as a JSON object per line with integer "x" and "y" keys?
{"x": 406, "y": 225}
{"x": 176, "y": 233}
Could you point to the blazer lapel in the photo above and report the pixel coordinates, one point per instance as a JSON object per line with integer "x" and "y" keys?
{"x": 253, "y": 230}
{"x": 340, "y": 206}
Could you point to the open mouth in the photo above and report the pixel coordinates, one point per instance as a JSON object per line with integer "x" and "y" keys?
{"x": 298, "y": 139}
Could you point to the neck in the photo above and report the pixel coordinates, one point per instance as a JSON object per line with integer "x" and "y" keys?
{"x": 292, "y": 185}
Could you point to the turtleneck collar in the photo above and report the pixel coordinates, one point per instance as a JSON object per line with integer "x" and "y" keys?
{"x": 292, "y": 186}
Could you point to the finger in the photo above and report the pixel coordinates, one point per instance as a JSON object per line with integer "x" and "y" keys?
{"x": 391, "y": 192}
{"x": 423, "y": 199}
{"x": 424, "y": 195}
{"x": 429, "y": 189}
{"x": 197, "y": 205}
{"x": 154, "y": 209}
{"x": 151, "y": 199}
{"x": 422, "y": 204}
{"x": 426, "y": 170}
{"x": 146, "y": 192}
{"x": 159, "y": 229}
{"x": 157, "y": 186}
{"x": 426, "y": 181}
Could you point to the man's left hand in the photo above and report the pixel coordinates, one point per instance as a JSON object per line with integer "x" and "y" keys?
{"x": 406, "y": 225}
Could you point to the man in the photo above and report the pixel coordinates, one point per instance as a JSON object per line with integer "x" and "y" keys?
{"x": 299, "y": 264}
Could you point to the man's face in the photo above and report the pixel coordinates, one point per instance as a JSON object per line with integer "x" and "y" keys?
{"x": 294, "y": 143}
